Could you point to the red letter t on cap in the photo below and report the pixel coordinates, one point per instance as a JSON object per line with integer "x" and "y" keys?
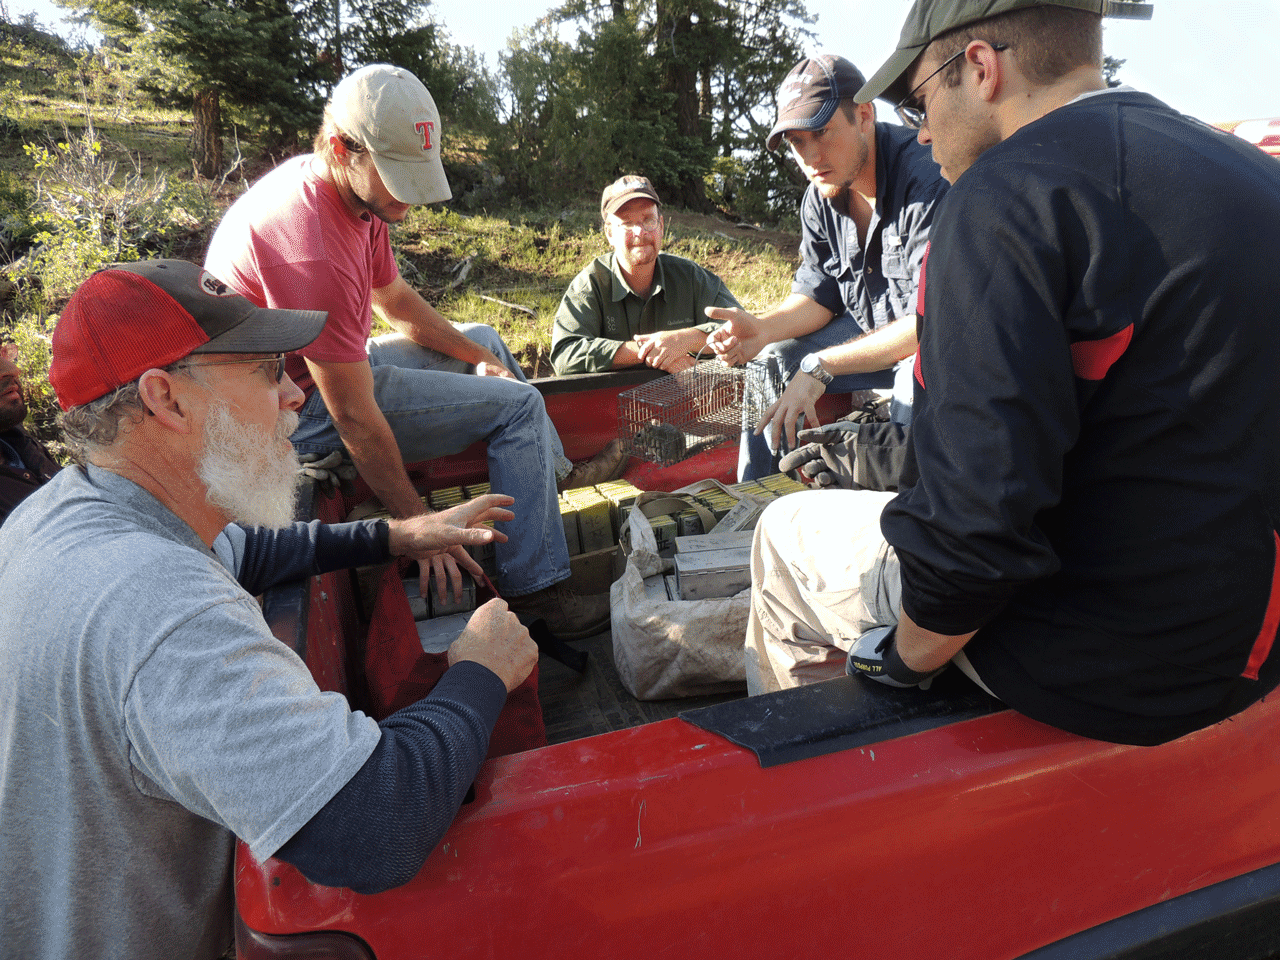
{"x": 426, "y": 128}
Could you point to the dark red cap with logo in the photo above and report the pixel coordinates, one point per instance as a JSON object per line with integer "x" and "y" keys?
{"x": 132, "y": 317}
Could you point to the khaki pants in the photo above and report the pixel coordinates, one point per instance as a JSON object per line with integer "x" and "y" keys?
{"x": 821, "y": 575}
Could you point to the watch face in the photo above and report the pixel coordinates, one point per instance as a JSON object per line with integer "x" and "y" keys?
{"x": 813, "y": 366}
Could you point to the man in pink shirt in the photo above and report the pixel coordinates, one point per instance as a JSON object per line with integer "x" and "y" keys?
{"x": 312, "y": 234}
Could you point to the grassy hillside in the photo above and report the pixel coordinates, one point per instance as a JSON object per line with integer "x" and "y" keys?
{"x": 91, "y": 172}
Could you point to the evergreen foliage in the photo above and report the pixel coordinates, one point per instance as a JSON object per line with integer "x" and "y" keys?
{"x": 682, "y": 91}
{"x": 247, "y": 56}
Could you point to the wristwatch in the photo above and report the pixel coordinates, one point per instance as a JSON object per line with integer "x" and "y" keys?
{"x": 812, "y": 365}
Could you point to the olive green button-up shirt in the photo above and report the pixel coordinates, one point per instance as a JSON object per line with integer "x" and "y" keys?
{"x": 600, "y": 312}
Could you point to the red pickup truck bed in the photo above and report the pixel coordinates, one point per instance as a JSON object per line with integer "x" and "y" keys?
{"x": 843, "y": 819}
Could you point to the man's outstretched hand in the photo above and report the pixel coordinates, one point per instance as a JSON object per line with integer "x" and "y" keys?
{"x": 800, "y": 399}
{"x": 739, "y": 339}
{"x": 439, "y": 541}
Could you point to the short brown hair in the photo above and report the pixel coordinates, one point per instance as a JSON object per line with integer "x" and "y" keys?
{"x": 321, "y": 146}
{"x": 1048, "y": 41}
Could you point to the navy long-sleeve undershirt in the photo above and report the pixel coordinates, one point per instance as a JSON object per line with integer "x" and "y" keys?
{"x": 377, "y": 831}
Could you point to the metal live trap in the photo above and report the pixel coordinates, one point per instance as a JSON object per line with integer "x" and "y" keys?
{"x": 674, "y": 417}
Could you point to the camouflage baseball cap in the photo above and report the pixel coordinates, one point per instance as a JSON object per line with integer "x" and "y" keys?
{"x": 929, "y": 19}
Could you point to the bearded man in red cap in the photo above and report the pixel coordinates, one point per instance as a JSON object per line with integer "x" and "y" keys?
{"x": 150, "y": 716}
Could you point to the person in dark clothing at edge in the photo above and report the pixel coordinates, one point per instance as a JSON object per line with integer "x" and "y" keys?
{"x": 151, "y": 717}
{"x": 26, "y": 464}
{"x": 1086, "y": 521}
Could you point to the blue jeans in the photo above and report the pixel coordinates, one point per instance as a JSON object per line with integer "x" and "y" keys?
{"x": 436, "y": 406}
{"x": 755, "y": 458}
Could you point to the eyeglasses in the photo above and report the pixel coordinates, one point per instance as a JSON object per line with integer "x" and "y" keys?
{"x": 647, "y": 225}
{"x": 274, "y": 365}
{"x": 914, "y": 116}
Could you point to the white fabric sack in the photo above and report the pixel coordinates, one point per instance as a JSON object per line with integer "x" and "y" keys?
{"x": 673, "y": 648}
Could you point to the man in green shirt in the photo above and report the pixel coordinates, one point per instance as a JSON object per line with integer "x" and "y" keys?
{"x": 635, "y": 305}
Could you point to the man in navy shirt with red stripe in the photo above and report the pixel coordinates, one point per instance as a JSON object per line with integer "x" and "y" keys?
{"x": 1087, "y": 516}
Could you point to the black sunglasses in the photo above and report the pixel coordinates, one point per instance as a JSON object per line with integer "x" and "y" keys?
{"x": 914, "y": 116}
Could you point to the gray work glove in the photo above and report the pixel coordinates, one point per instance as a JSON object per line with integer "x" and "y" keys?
{"x": 871, "y": 657}
{"x": 826, "y": 456}
{"x": 329, "y": 471}
{"x": 850, "y": 455}
{"x": 868, "y": 407}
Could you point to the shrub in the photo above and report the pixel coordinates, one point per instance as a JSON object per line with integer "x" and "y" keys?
{"x": 32, "y": 341}
{"x": 82, "y": 214}
{"x": 90, "y": 213}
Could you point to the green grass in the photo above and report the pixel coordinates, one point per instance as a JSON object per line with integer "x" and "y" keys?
{"x": 517, "y": 262}
{"x": 528, "y": 261}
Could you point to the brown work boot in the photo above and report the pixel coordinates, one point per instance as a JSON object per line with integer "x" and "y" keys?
{"x": 606, "y": 465}
{"x": 569, "y": 615}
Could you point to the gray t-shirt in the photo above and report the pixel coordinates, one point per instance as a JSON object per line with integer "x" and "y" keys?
{"x": 148, "y": 718}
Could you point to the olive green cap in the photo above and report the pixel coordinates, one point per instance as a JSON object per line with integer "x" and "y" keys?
{"x": 930, "y": 19}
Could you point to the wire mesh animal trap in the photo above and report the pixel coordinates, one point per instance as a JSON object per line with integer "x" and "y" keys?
{"x": 674, "y": 417}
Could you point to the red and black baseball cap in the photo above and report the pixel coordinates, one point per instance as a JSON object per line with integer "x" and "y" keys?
{"x": 131, "y": 317}
{"x": 809, "y": 95}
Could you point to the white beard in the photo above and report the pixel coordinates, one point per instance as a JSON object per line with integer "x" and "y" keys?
{"x": 247, "y": 477}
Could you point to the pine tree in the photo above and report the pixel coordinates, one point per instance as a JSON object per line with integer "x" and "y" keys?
{"x": 249, "y": 55}
{"x": 659, "y": 87}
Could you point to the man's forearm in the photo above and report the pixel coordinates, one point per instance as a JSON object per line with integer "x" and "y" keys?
{"x": 409, "y": 314}
{"x": 300, "y": 550}
{"x": 627, "y": 355}
{"x": 433, "y": 331}
{"x": 877, "y": 350}
{"x": 378, "y": 829}
{"x": 796, "y": 316}
{"x": 923, "y": 650}
{"x": 689, "y": 340}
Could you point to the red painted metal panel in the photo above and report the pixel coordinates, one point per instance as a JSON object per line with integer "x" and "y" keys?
{"x": 332, "y": 624}
{"x": 587, "y": 420}
{"x": 981, "y": 840}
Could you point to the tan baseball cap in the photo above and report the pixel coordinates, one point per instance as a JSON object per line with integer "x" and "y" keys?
{"x": 390, "y": 112}
{"x": 929, "y": 19}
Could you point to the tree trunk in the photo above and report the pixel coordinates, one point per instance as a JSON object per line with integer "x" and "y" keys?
{"x": 682, "y": 79}
{"x": 206, "y": 144}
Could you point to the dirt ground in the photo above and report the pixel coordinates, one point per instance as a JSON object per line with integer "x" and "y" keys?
{"x": 788, "y": 244}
